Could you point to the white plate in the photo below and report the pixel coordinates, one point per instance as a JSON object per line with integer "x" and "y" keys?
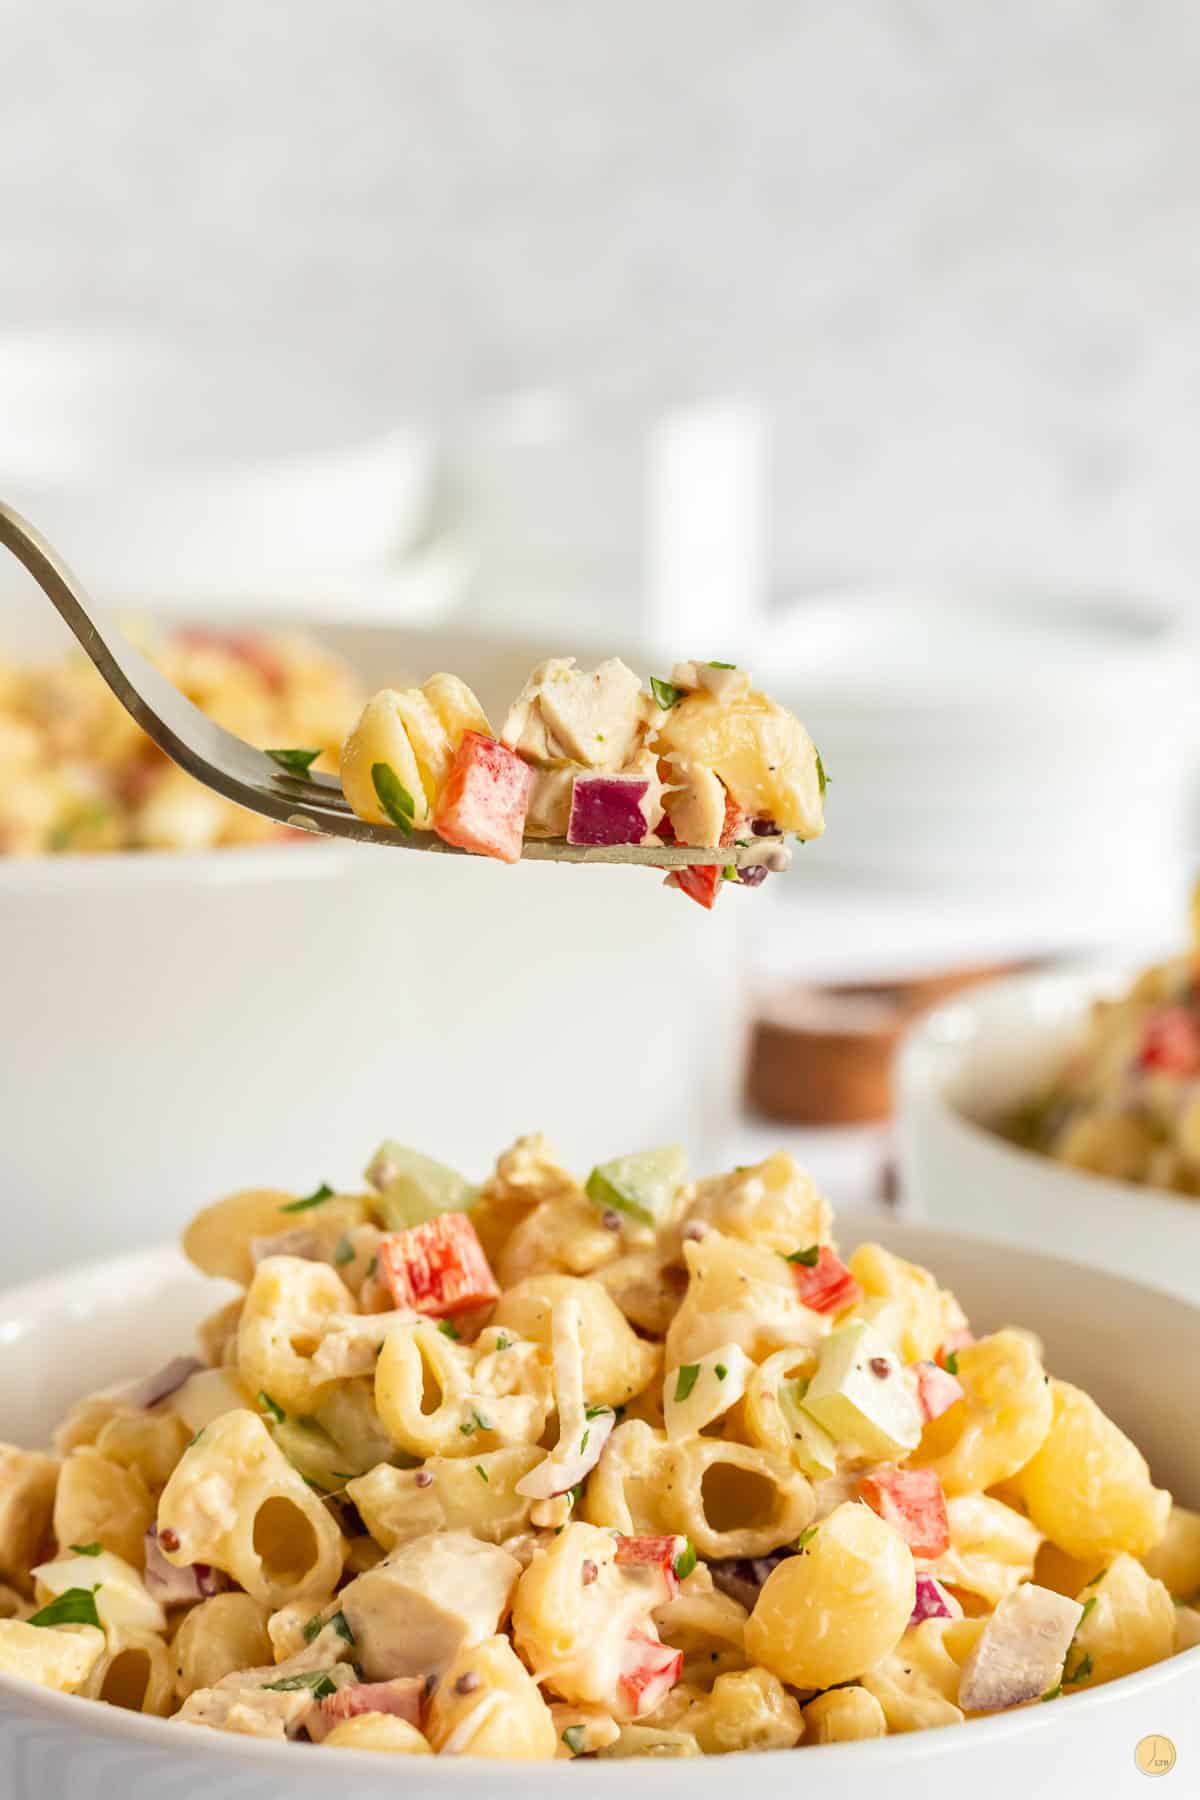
{"x": 964, "y": 1068}
{"x": 1110, "y": 1336}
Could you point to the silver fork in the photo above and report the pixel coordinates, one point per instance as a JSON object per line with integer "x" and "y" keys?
{"x": 230, "y": 766}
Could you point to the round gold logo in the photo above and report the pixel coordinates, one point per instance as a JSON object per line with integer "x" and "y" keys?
{"x": 1155, "y": 1755}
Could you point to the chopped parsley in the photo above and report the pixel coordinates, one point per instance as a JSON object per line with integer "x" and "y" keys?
{"x": 270, "y": 1407}
{"x": 86, "y": 1549}
{"x": 1096, "y": 1578}
{"x": 576, "y": 1493}
{"x": 481, "y": 1472}
{"x": 806, "y": 1537}
{"x": 503, "y": 1341}
{"x": 449, "y": 1329}
{"x": 575, "y": 1737}
{"x": 197, "y": 1438}
{"x": 1052, "y": 1693}
{"x": 807, "y": 1259}
{"x": 77, "y": 1606}
{"x": 584, "y": 1440}
{"x": 1080, "y": 1672}
{"x": 1087, "y": 1607}
{"x": 296, "y": 762}
{"x": 317, "y": 1624}
{"x": 343, "y": 1252}
{"x": 665, "y": 692}
{"x": 476, "y": 1422}
{"x": 685, "y": 1562}
{"x": 951, "y": 1363}
{"x": 593, "y": 1412}
{"x": 720, "y": 1371}
{"x": 686, "y": 1379}
{"x": 315, "y": 1680}
{"x": 322, "y": 1194}
{"x": 716, "y": 665}
{"x": 822, "y": 777}
{"x": 393, "y": 796}
{"x": 372, "y": 1266}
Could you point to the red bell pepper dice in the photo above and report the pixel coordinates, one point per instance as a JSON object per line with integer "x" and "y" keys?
{"x": 482, "y": 807}
{"x": 700, "y": 882}
{"x": 937, "y": 1389}
{"x": 659, "y": 1553}
{"x": 1171, "y": 1042}
{"x": 649, "y": 1670}
{"x": 912, "y": 1500}
{"x": 957, "y": 1340}
{"x": 828, "y": 1286}
{"x": 737, "y": 823}
{"x": 437, "y": 1268}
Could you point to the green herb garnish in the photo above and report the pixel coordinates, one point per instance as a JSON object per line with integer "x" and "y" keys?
{"x": 593, "y": 1412}
{"x": 720, "y": 1371}
{"x": 481, "y": 1472}
{"x": 314, "y": 1627}
{"x": 77, "y": 1606}
{"x": 666, "y": 693}
{"x": 372, "y": 1266}
{"x": 951, "y": 1362}
{"x": 686, "y": 1380}
{"x": 716, "y": 665}
{"x": 449, "y": 1329}
{"x": 574, "y": 1737}
{"x": 503, "y": 1341}
{"x": 271, "y": 1408}
{"x": 315, "y": 1680}
{"x": 1052, "y": 1693}
{"x": 343, "y": 1252}
{"x": 197, "y": 1438}
{"x": 393, "y": 796}
{"x": 806, "y": 1537}
{"x": 685, "y": 1562}
{"x": 822, "y": 777}
{"x": 296, "y": 762}
{"x": 1087, "y": 1607}
{"x": 323, "y": 1193}
{"x": 86, "y": 1549}
{"x": 1080, "y": 1672}
{"x": 476, "y": 1422}
{"x": 808, "y": 1259}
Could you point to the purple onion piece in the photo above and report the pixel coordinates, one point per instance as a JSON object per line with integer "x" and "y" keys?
{"x": 178, "y": 1587}
{"x": 753, "y": 874}
{"x": 764, "y": 827}
{"x": 933, "y": 1602}
{"x": 608, "y": 809}
{"x": 742, "y": 1577}
{"x": 165, "y": 1382}
{"x": 298, "y": 1242}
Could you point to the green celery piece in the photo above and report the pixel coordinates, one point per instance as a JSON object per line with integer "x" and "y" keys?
{"x": 642, "y": 1186}
{"x": 416, "y": 1187}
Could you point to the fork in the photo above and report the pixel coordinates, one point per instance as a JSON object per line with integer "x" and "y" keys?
{"x": 234, "y": 768}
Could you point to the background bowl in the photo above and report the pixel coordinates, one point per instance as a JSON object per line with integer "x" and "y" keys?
{"x": 962, "y": 1070}
{"x": 1109, "y": 1335}
{"x": 181, "y": 1025}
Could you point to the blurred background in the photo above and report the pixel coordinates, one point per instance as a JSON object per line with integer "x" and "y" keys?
{"x": 859, "y": 343}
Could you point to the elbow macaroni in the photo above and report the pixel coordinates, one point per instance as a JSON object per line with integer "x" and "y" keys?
{"x": 421, "y": 1530}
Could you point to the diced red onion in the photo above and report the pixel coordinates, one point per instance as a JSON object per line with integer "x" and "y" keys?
{"x": 167, "y": 1381}
{"x": 742, "y": 1577}
{"x": 558, "y": 1474}
{"x": 403, "y": 1698}
{"x": 933, "y": 1602}
{"x": 172, "y": 1586}
{"x": 608, "y": 809}
{"x": 937, "y": 1389}
{"x": 764, "y": 827}
{"x": 297, "y": 1242}
{"x": 753, "y": 874}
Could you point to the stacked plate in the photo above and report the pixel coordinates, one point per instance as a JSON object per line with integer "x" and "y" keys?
{"x": 1032, "y": 752}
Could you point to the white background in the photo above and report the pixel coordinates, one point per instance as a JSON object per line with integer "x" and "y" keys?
{"x": 953, "y": 242}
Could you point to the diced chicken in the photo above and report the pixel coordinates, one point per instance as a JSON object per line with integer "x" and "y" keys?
{"x": 122, "y": 1600}
{"x": 1020, "y": 1652}
{"x": 250, "y": 1712}
{"x": 566, "y": 714}
{"x": 425, "y": 1601}
{"x": 721, "y": 682}
{"x": 694, "y": 801}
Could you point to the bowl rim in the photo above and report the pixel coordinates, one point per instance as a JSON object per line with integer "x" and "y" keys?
{"x": 220, "y": 866}
{"x": 933, "y": 1040}
{"x": 46, "y": 1295}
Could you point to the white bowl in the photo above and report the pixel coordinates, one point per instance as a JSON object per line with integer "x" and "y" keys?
{"x": 966, "y": 1066}
{"x": 157, "y": 467}
{"x": 117, "y": 1318}
{"x": 181, "y": 1025}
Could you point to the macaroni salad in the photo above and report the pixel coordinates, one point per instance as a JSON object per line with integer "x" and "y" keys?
{"x": 591, "y": 756}
{"x": 542, "y": 1469}
{"x": 1126, "y": 1101}
{"x": 77, "y": 774}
